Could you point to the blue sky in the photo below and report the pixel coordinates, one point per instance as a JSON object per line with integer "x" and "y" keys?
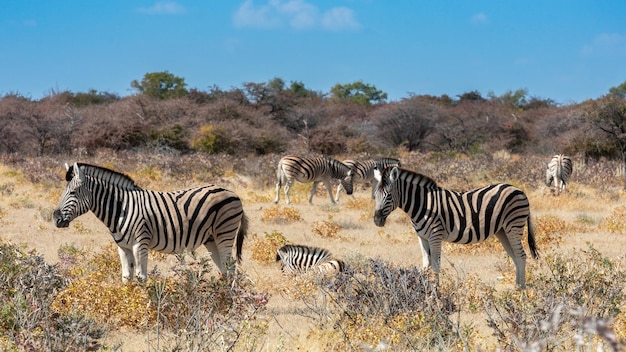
{"x": 565, "y": 50}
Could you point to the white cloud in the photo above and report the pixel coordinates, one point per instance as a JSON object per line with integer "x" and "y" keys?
{"x": 296, "y": 14}
{"x": 340, "y": 18}
{"x": 479, "y": 18}
{"x": 164, "y": 8}
{"x": 606, "y": 44}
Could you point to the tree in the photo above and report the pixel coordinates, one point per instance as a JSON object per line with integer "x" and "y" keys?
{"x": 358, "y": 92}
{"x": 161, "y": 85}
{"x": 471, "y": 96}
{"x": 619, "y": 91}
{"x": 509, "y": 98}
{"x": 406, "y": 123}
{"x": 608, "y": 114}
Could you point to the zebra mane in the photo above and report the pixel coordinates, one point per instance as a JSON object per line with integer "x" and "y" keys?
{"x": 103, "y": 174}
{"x": 412, "y": 177}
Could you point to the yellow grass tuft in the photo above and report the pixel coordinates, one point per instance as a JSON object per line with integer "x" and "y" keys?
{"x": 281, "y": 215}
{"x": 264, "y": 251}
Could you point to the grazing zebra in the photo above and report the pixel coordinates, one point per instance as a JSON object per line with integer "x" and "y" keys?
{"x": 558, "y": 169}
{"x": 438, "y": 214}
{"x": 316, "y": 170}
{"x": 364, "y": 171}
{"x": 168, "y": 222}
{"x": 297, "y": 259}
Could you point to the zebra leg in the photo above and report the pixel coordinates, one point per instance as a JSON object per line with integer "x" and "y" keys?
{"x": 425, "y": 253}
{"x": 140, "y": 251}
{"x": 517, "y": 254}
{"x": 339, "y": 188}
{"x": 222, "y": 259}
{"x": 278, "y": 185}
{"x": 128, "y": 263}
{"x": 287, "y": 188}
{"x": 330, "y": 191}
{"x": 313, "y": 190}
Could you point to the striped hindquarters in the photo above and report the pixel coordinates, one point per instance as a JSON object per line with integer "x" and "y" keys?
{"x": 298, "y": 259}
{"x": 558, "y": 170}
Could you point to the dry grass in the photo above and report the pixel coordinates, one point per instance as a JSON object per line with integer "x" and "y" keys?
{"x": 476, "y": 281}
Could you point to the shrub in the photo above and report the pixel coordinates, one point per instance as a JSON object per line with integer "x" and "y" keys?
{"x": 211, "y": 140}
{"x": 28, "y": 288}
{"x": 326, "y": 228}
{"x": 264, "y": 251}
{"x": 279, "y": 215}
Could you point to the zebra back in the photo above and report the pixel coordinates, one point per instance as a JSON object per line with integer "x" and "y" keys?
{"x": 298, "y": 259}
{"x": 312, "y": 169}
{"x": 363, "y": 170}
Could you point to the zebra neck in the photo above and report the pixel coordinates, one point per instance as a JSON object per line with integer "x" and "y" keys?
{"x": 413, "y": 193}
{"x": 109, "y": 204}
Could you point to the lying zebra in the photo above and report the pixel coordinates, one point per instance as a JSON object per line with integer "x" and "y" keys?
{"x": 298, "y": 259}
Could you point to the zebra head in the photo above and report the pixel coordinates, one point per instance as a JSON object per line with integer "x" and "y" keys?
{"x": 385, "y": 193}
{"x": 347, "y": 182}
{"x": 76, "y": 199}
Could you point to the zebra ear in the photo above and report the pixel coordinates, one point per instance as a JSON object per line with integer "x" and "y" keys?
{"x": 377, "y": 175}
{"x": 393, "y": 176}
{"x": 76, "y": 170}
{"x": 67, "y": 167}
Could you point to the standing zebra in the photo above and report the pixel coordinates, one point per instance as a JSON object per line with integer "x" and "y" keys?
{"x": 558, "y": 169}
{"x": 168, "y": 222}
{"x": 364, "y": 171}
{"x": 438, "y": 214}
{"x": 316, "y": 170}
{"x": 297, "y": 259}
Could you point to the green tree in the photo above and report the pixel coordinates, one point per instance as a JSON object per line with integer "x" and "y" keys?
{"x": 358, "y": 92}
{"x": 162, "y": 85}
{"x": 471, "y": 96}
{"x": 511, "y": 98}
{"x": 608, "y": 114}
{"x": 619, "y": 91}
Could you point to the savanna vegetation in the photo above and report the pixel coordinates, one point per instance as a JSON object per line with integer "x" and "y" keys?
{"x": 167, "y": 136}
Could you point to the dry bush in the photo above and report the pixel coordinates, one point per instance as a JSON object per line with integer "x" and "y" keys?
{"x": 381, "y": 302}
{"x": 326, "y": 228}
{"x": 28, "y": 321}
{"x": 359, "y": 204}
{"x": 189, "y": 310}
{"x": 281, "y": 215}
{"x": 616, "y": 222}
{"x": 264, "y": 251}
{"x": 198, "y": 312}
{"x": 532, "y": 319}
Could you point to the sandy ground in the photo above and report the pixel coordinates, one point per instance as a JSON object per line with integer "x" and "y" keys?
{"x": 25, "y": 218}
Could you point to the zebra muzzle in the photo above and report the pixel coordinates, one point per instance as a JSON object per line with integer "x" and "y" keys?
{"x": 379, "y": 219}
{"x": 59, "y": 221}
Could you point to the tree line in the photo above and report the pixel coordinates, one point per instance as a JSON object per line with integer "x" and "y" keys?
{"x": 276, "y": 117}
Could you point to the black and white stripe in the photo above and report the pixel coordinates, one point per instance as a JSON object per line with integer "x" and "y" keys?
{"x": 168, "y": 222}
{"x": 363, "y": 171}
{"x": 316, "y": 170}
{"x": 298, "y": 259}
{"x": 559, "y": 169}
{"x": 438, "y": 215}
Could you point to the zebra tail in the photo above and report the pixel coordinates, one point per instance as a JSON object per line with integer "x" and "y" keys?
{"x": 531, "y": 240}
{"x": 241, "y": 234}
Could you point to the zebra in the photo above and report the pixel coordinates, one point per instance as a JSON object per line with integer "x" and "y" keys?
{"x": 168, "y": 222}
{"x": 364, "y": 171}
{"x": 438, "y": 214}
{"x": 558, "y": 170}
{"x": 319, "y": 169}
{"x": 298, "y": 259}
